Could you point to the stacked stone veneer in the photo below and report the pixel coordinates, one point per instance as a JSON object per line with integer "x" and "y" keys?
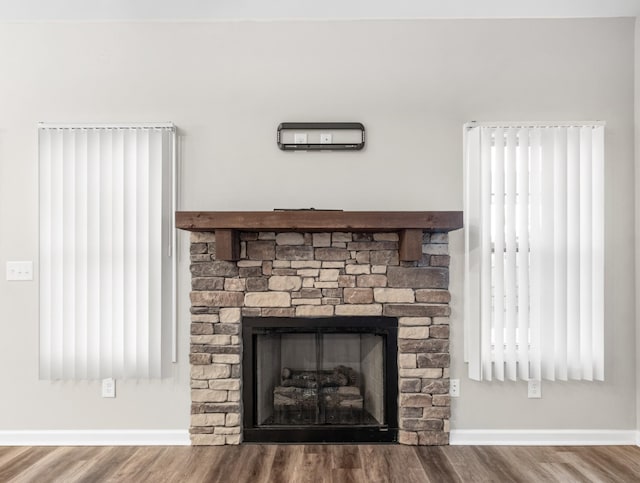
{"x": 319, "y": 275}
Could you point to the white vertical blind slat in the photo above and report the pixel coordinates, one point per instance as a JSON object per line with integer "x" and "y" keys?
{"x": 93, "y": 249}
{"x": 57, "y": 256}
{"x": 535, "y": 352}
{"x": 130, "y": 251}
{"x": 573, "y": 253}
{"x": 142, "y": 237}
{"x": 510, "y": 284}
{"x": 46, "y": 215}
{"x": 522, "y": 237}
{"x": 485, "y": 260}
{"x": 81, "y": 254}
{"x": 473, "y": 213}
{"x": 597, "y": 262}
{"x": 155, "y": 248}
{"x": 106, "y": 252}
{"x": 69, "y": 252}
{"x": 541, "y": 237}
{"x": 118, "y": 278}
{"x": 547, "y": 240}
{"x": 586, "y": 261}
{"x": 560, "y": 252}
{"x": 100, "y": 254}
{"x": 497, "y": 183}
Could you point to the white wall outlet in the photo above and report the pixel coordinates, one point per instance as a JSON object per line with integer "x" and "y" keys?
{"x": 300, "y": 138}
{"x": 326, "y": 138}
{"x": 454, "y": 387}
{"x": 534, "y": 389}
{"x": 19, "y": 270}
{"x": 109, "y": 387}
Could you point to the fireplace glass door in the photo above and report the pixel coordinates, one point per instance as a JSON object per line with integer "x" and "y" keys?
{"x": 319, "y": 377}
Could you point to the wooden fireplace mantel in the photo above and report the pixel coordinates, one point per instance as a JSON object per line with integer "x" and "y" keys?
{"x": 409, "y": 224}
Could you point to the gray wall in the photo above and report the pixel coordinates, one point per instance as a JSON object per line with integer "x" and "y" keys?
{"x": 637, "y": 184}
{"x": 228, "y": 85}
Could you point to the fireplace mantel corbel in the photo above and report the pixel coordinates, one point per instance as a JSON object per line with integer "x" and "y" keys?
{"x": 410, "y": 225}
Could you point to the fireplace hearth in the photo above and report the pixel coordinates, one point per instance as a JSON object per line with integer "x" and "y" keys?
{"x": 320, "y": 379}
{"x": 280, "y": 350}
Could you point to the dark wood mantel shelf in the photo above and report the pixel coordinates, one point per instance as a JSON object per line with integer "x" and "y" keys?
{"x": 409, "y": 224}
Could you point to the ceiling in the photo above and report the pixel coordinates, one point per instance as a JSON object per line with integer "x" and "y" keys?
{"x": 76, "y": 10}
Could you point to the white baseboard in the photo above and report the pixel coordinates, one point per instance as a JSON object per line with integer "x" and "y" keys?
{"x": 97, "y": 437}
{"x": 179, "y": 437}
{"x": 544, "y": 437}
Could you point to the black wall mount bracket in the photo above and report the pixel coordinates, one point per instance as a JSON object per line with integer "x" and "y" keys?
{"x": 318, "y": 136}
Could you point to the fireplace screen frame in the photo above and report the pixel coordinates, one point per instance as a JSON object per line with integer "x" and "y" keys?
{"x": 324, "y": 433}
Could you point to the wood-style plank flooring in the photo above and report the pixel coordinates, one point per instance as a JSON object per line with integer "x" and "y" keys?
{"x": 320, "y": 463}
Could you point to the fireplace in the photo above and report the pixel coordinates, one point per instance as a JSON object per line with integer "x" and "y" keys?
{"x": 320, "y": 379}
{"x": 319, "y": 326}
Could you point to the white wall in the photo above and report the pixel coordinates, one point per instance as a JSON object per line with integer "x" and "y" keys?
{"x": 228, "y": 85}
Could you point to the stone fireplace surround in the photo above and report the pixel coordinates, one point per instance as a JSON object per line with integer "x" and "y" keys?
{"x": 320, "y": 274}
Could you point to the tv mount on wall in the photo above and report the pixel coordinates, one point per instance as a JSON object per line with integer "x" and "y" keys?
{"x": 320, "y": 136}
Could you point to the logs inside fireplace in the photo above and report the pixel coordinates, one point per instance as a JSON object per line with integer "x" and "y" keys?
{"x": 318, "y": 396}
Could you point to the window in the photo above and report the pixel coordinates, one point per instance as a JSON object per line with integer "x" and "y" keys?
{"x": 106, "y": 224}
{"x": 534, "y": 251}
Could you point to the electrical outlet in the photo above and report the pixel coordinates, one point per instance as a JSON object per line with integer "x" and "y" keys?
{"x": 19, "y": 270}
{"x": 454, "y": 387}
{"x": 534, "y": 389}
{"x": 300, "y": 138}
{"x": 326, "y": 138}
{"x": 109, "y": 387}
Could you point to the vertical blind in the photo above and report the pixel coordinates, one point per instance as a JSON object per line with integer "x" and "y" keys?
{"x": 105, "y": 278}
{"x": 534, "y": 246}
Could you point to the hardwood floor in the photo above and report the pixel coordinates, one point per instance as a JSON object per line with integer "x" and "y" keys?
{"x": 320, "y": 463}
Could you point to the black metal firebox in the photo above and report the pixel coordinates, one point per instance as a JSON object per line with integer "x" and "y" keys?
{"x": 320, "y": 380}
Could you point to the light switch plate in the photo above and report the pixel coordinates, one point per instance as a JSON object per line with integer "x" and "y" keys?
{"x": 20, "y": 271}
{"x": 109, "y": 387}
